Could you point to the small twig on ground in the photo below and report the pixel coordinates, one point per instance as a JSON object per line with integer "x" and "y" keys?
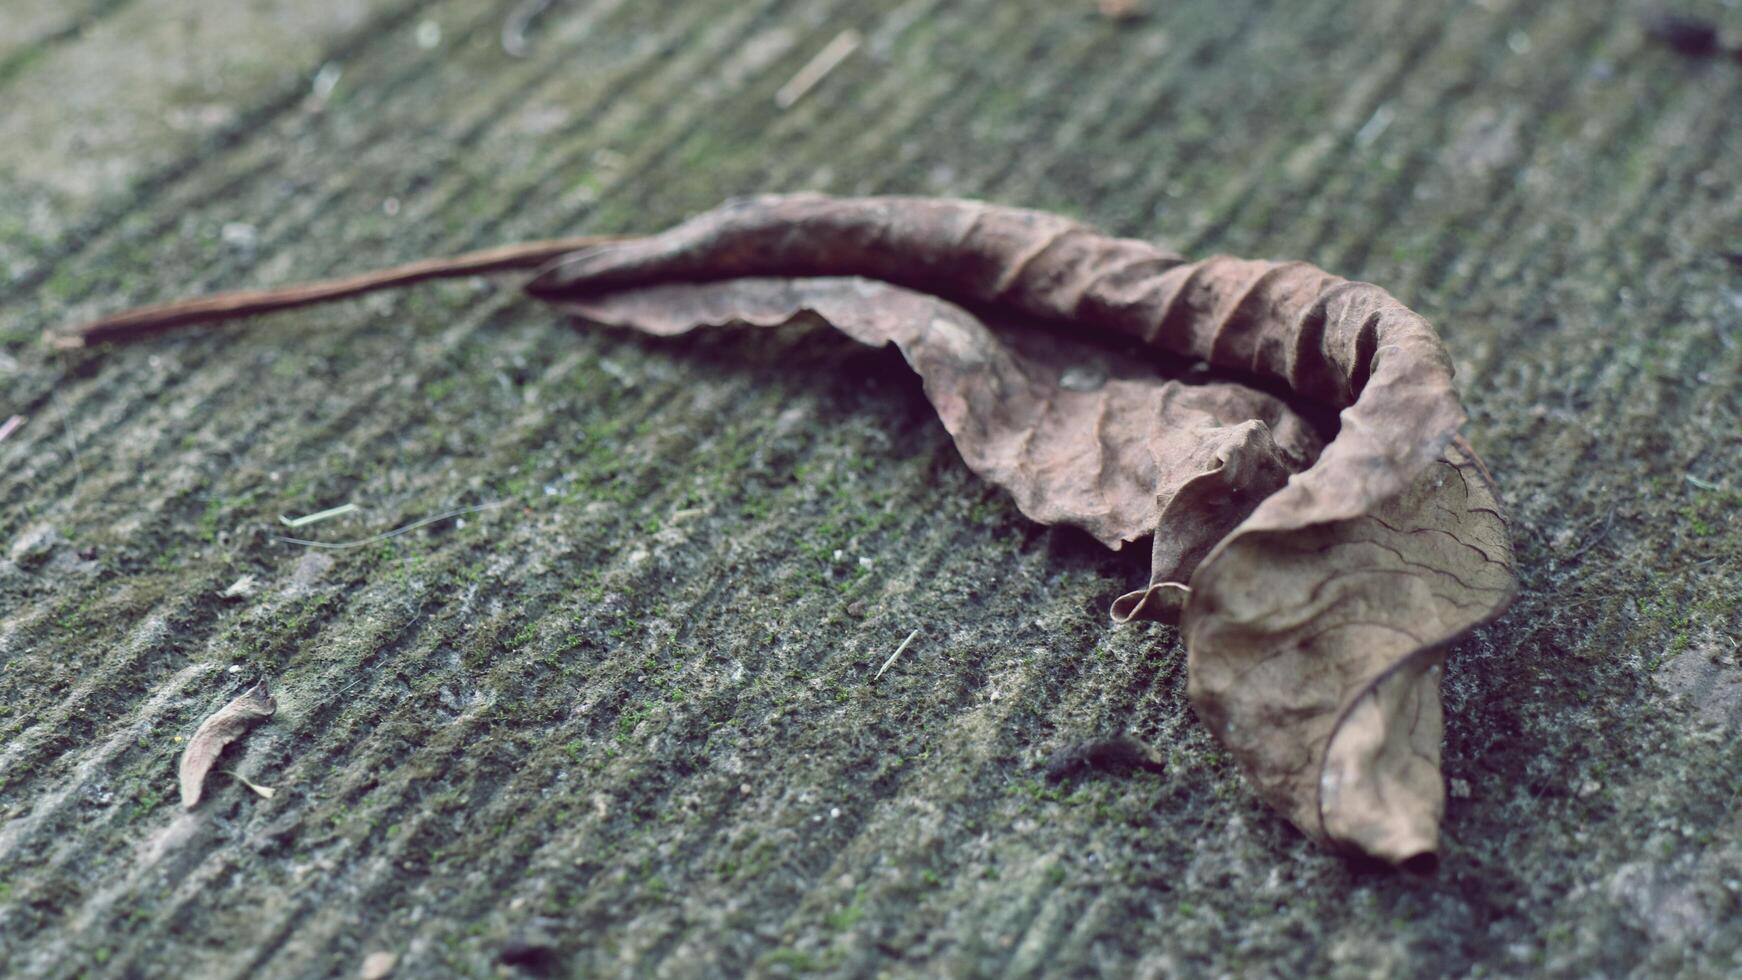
{"x": 248, "y": 302}
{"x": 316, "y": 517}
{"x": 10, "y": 426}
{"x": 396, "y": 532}
{"x": 818, "y": 68}
{"x": 515, "y": 24}
{"x": 898, "y": 652}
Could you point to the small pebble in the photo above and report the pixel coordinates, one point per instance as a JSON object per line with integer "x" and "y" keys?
{"x": 378, "y": 965}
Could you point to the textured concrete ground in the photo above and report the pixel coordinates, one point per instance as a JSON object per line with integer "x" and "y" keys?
{"x": 628, "y": 721}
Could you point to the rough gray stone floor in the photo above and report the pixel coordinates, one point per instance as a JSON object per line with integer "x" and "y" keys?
{"x": 629, "y": 717}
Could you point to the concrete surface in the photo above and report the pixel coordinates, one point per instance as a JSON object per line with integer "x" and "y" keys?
{"x": 626, "y": 723}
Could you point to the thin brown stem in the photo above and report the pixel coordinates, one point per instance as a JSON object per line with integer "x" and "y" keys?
{"x": 145, "y": 320}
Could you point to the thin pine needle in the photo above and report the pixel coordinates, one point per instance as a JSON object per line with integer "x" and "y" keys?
{"x": 316, "y": 517}
{"x": 898, "y": 652}
{"x": 396, "y": 532}
{"x": 818, "y": 68}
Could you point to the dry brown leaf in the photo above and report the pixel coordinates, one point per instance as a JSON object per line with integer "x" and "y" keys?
{"x": 1315, "y": 611}
{"x": 1317, "y": 586}
{"x": 229, "y": 723}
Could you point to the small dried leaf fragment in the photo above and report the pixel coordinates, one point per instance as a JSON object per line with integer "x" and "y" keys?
{"x": 264, "y": 792}
{"x": 227, "y": 724}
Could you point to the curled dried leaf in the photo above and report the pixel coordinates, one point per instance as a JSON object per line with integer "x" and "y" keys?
{"x": 1317, "y": 584}
{"x": 226, "y": 725}
{"x": 1317, "y": 588}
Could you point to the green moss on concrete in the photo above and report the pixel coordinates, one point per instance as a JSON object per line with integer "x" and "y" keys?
{"x": 632, "y": 713}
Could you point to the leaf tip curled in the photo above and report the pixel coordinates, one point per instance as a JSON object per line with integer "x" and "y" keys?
{"x": 1162, "y": 602}
{"x": 226, "y": 725}
{"x": 1380, "y": 788}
